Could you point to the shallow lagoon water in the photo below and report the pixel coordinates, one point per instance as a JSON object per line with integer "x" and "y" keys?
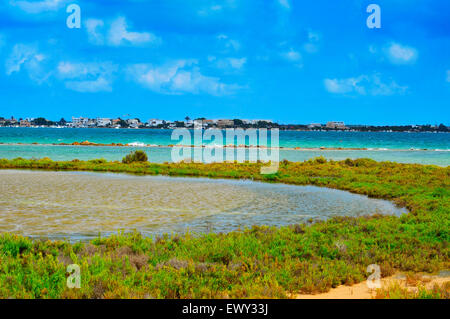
{"x": 81, "y": 205}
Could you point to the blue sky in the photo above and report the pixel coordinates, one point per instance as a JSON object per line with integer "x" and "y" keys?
{"x": 287, "y": 60}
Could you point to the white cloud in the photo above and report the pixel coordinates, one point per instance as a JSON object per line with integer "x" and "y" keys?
{"x": 363, "y": 85}
{"x": 179, "y": 77}
{"x": 216, "y": 8}
{"x": 229, "y": 43}
{"x": 231, "y": 63}
{"x": 209, "y": 10}
{"x": 28, "y": 58}
{"x": 21, "y": 54}
{"x": 342, "y": 86}
{"x": 237, "y": 63}
{"x": 401, "y": 54}
{"x": 87, "y": 77}
{"x": 312, "y": 45}
{"x": 313, "y": 36}
{"x": 39, "y": 6}
{"x": 117, "y": 33}
{"x": 94, "y": 34}
{"x": 285, "y": 4}
{"x": 448, "y": 76}
{"x": 373, "y": 49}
{"x": 292, "y": 55}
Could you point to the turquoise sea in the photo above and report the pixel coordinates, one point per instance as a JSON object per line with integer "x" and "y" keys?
{"x": 424, "y": 148}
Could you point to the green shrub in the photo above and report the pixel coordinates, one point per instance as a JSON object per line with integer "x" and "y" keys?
{"x": 318, "y": 160}
{"x": 98, "y": 161}
{"x": 136, "y": 156}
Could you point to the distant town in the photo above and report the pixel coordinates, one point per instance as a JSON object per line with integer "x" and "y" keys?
{"x": 187, "y": 122}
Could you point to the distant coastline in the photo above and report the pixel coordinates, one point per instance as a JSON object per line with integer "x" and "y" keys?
{"x": 281, "y": 128}
{"x": 203, "y": 123}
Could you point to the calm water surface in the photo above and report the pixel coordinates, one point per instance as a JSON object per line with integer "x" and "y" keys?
{"x": 81, "y": 205}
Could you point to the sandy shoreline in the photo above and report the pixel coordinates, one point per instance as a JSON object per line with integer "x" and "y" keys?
{"x": 362, "y": 291}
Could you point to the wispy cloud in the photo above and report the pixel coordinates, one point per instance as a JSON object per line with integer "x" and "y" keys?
{"x": 285, "y": 4}
{"x": 401, "y": 54}
{"x": 448, "y": 76}
{"x": 312, "y": 45}
{"x": 229, "y": 63}
{"x": 117, "y": 33}
{"x": 87, "y": 77}
{"x": 209, "y": 10}
{"x": 94, "y": 30}
{"x": 178, "y": 77}
{"x": 38, "y": 6}
{"x": 364, "y": 85}
{"x": 215, "y": 7}
{"x": 228, "y": 43}
{"x": 293, "y": 56}
{"x": 27, "y": 57}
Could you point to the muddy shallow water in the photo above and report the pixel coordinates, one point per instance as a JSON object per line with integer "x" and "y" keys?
{"x": 80, "y": 205}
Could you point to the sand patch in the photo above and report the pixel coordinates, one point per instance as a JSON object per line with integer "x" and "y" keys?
{"x": 362, "y": 291}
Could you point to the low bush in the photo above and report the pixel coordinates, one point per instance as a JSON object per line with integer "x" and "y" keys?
{"x": 136, "y": 156}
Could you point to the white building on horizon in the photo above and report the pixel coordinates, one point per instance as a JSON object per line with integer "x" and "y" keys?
{"x": 154, "y": 122}
{"x": 80, "y": 121}
{"x": 336, "y": 125}
{"x": 103, "y": 122}
{"x": 133, "y": 123}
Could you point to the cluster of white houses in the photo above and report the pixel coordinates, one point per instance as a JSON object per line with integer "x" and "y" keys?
{"x": 136, "y": 123}
{"x": 85, "y": 122}
{"x": 330, "y": 125}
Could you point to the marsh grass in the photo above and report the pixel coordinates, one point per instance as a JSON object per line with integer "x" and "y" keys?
{"x": 260, "y": 262}
{"x": 397, "y": 291}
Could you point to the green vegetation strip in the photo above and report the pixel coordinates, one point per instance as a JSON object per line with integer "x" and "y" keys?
{"x": 252, "y": 263}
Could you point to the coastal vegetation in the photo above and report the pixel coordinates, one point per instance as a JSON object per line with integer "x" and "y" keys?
{"x": 259, "y": 262}
{"x": 136, "y": 156}
{"x": 417, "y": 291}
